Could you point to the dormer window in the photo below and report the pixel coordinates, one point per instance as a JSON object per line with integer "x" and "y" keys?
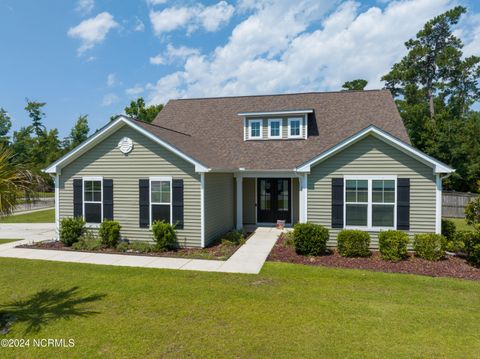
{"x": 255, "y": 129}
{"x": 294, "y": 127}
{"x": 275, "y": 128}
{"x": 276, "y": 125}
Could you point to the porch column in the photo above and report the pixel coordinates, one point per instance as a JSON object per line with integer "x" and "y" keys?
{"x": 239, "y": 202}
{"x": 303, "y": 198}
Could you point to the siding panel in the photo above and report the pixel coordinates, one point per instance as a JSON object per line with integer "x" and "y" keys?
{"x": 372, "y": 156}
{"x": 219, "y": 205}
{"x": 146, "y": 160}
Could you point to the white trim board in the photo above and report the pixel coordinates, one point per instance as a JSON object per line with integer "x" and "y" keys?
{"x": 276, "y": 113}
{"x": 437, "y": 166}
{"x": 56, "y": 167}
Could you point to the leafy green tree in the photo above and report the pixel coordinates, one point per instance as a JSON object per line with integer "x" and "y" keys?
{"x": 78, "y": 133}
{"x": 138, "y": 110}
{"x": 5, "y": 125}
{"x": 22, "y": 146}
{"x": 431, "y": 61}
{"x": 355, "y": 85}
{"x": 36, "y": 114}
{"x": 435, "y": 88}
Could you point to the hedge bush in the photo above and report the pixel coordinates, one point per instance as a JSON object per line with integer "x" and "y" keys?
{"x": 429, "y": 246}
{"x": 87, "y": 242}
{"x": 472, "y": 211}
{"x": 164, "y": 235}
{"x": 393, "y": 245}
{"x": 472, "y": 246}
{"x": 71, "y": 229}
{"x": 310, "y": 239}
{"x": 233, "y": 238}
{"x": 109, "y": 233}
{"x": 448, "y": 229}
{"x": 353, "y": 243}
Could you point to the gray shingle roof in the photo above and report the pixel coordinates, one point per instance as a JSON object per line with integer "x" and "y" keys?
{"x": 210, "y": 130}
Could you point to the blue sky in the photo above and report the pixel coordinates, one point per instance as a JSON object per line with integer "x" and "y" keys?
{"x": 94, "y": 56}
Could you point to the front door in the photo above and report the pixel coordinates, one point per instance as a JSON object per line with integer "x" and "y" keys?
{"x": 273, "y": 200}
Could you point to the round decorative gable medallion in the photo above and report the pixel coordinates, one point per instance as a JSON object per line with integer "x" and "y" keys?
{"x": 125, "y": 145}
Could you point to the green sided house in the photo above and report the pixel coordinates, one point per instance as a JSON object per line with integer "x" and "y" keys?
{"x": 340, "y": 159}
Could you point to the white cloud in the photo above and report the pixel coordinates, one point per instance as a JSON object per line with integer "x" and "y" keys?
{"x": 285, "y": 47}
{"x": 109, "y": 99}
{"x": 93, "y": 31}
{"x": 212, "y": 17}
{"x": 111, "y": 80}
{"x": 156, "y": 2}
{"x": 157, "y": 60}
{"x": 191, "y": 18}
{"x": 173, "y": 54}
{"x": 85, "y": 6}
{"x": 135, "y": 90}
{"x": 139, "y": 25}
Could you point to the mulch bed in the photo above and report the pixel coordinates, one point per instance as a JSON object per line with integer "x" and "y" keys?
{"x": 451, "y": 266}
{"x": 218, "y": 251}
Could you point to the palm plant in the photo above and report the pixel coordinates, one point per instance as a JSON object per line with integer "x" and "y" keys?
{"x": 15, "y": 182}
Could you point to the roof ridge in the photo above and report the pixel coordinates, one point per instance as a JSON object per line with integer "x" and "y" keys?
{"x": 162, "y": 127}
{"x": 280, "y": 94}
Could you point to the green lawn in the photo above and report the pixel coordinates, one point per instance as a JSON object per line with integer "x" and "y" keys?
{"x": 461, "y": 224}
{"x": 8, "y": 240}
{"x": 45, "y": 216}
{"x": 287, "y": 311}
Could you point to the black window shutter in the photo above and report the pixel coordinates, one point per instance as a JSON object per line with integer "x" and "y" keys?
{"x": 144, "y": 201}
{"x": 77, "y": 197}
{"x": 108, "y": 199}
{"x": 177, "y": 203}
{"x": 403, "y": 204}
{"x": 337, "y": 202}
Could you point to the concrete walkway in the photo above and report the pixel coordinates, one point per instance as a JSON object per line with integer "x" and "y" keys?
{"x": 247, "y": 259}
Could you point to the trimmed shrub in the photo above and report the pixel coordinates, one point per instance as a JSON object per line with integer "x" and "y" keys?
{"x": 472, "y": 211}
{"x": 289, "y": 238}
{"x": 472, "y": 247}
{"x": 88, "y": 242}
{"x": 393, "y": 245}
{"x": 310, "y": 239}
{"x": 109, "y": 233}
{"x": 457, "y": 244}
{"x": 233, "y": 238}
{"x": 429, "y": 246}
{"x": 142, "y": 247}
{"x": 71, "y": 229}
{"x": 123, "y": 246}
{"x": 164, "y": 235}
{"x": 448, "y": 229}
{"x": 353, "y": 243}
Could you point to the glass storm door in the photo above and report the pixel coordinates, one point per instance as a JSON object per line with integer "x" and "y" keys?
{"x": 274, "y": 200}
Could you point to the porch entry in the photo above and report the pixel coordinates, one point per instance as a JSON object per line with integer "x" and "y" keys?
{"x": 274, "y": 200}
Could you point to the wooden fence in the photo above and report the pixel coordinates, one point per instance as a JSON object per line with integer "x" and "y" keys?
{"x": 453, "y": 203}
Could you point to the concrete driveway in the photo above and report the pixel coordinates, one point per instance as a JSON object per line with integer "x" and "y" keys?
{"x": 27, "y": 231}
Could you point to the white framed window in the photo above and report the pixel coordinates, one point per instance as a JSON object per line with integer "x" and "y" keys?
{"x": 255, "y": 129}
{"x": 92, "y": 200}
{"x": 370, "y": 202}
{"x": 160, "y": 199}
{"x": 295, "y": 127}
{"x": 275, "y": 128}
